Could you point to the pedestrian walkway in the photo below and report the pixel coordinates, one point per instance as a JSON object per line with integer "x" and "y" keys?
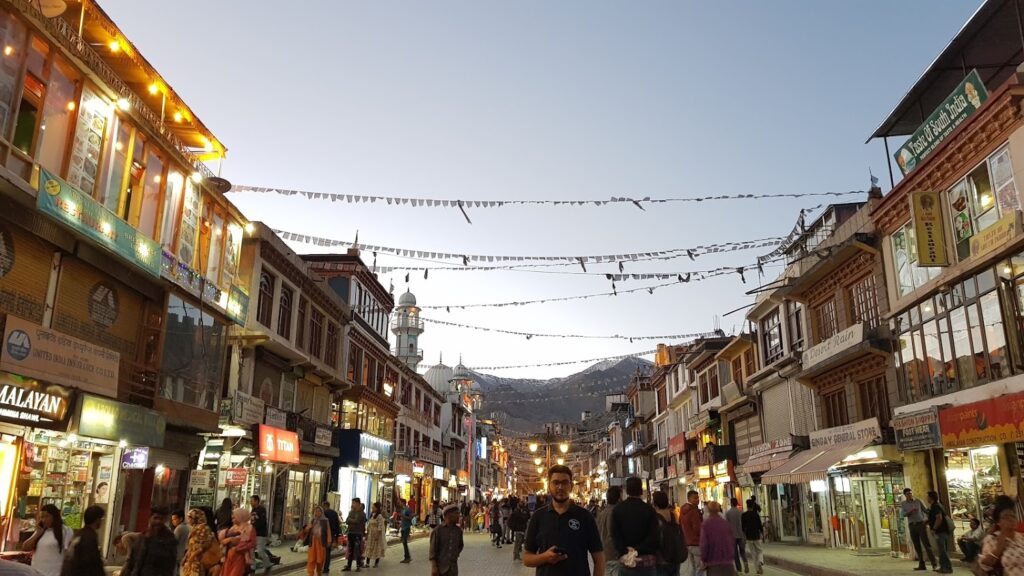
{"x": 291, "y": 560}
{"x": 818, "y": 561}
{"x": 479, "y": 557}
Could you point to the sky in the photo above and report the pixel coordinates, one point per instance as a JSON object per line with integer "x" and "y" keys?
{"x": 541, "y": 99}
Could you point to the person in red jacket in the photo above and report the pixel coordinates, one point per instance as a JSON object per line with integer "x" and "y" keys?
{"x": 691, "y": 520}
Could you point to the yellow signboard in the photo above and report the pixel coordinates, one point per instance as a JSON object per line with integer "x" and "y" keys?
{"x": 929, "y": 234}
{"x": 994, "y": 236}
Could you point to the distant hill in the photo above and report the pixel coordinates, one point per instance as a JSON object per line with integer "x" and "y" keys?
{"x": 526, "y": 404}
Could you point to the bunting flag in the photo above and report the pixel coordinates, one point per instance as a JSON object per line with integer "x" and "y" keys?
{"x": 691, "y": 252}
{"x": 530, "y": 335}
{"x": 566, "y": 362}
{"x": 463, "y": 205}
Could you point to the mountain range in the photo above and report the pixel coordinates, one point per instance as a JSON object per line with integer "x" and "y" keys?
{"x": 525, "y": 404}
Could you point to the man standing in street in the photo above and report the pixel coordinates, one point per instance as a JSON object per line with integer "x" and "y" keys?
{"x": 446, "y": 544}
{"x": 717, "y": 544}
{"x": 692, "y": 520}
{"x": 155, "y": 552}
{"x": 913, "y": 510}
{"x": 635, "y": 531}
{"x": 735, "y": 519}
{"x": 753, "y": 531}
{"x": 334, "y": 522}
{"x": 259, "y": 523}
{"x": 604, "y": 527}
{"x": 561, "y": 534}
{"x": 181, "y": 531}
{"x": 517, "y": 522}
{"x": 356, "y": 522}
{"x": 405, "y": 514}
{"x": 83, "y": 557}
{"x": 937, "y": 521}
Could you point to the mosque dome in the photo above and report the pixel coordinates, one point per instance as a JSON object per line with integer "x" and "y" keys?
{"x": 439, "y": 376}
{"x": 407, "y": 299}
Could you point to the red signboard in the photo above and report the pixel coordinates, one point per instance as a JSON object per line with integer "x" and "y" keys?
{"x": 993, "y": 421}
{"x": 677, "y": 444}
{"x": 235, "y": 476}
{"x": 278, "y": 445}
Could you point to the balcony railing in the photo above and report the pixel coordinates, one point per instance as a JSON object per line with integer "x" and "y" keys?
{"x": 429, "y": 454}
{"x": 405, "y": 352}
{"x": 407, "y": 322}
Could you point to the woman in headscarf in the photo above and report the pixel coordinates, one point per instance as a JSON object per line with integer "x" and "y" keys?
{"x": 200, "y": 540}
{"x": 376, "y": 536}
{"x": 238, "y": 542}
{"x": 318, "y": 535}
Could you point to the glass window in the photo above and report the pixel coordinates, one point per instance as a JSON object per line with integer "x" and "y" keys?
{"x": 316, "y": 333}
{"x": 962, "y": 349}
{"x": 864, "y": 302}
{"x": 713, "y": 389}
{"x": 771, "y": 337}
{"x": 59, "y": 113}
{"x": 980, "y": 359}
{"x": 152, "y": 185}
{"x": 826, "y": 319}
{"x": 265, "y": 300}
{"x": 874, "y": 399}
{"x": 796, "y": 325}
{"x": 115, "y": 156}
{"x": 995, "y": 338}
{"x": 331, "y": 354}
{"x": 13, "y": 36}
{"x": 213, "y": 268}
{"x": 300, "y": 325}
{"x": 284, "y": 313}
{"x": 195, "y": 345}
{"x": 1002, "y": 179}
{"x": 908, "y": 274}
{"x": 834, "y": 407}
{"x": 172, "y": 209}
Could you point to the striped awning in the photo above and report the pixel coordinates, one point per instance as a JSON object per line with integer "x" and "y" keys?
{"x": 763, "y": 463}
{"x": 811, "y": 464}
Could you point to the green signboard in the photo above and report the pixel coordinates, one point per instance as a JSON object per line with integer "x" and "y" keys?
{"x": 87, "y": 216}
{"x": 112, "y": 420}
{"x": 958, "y": 106}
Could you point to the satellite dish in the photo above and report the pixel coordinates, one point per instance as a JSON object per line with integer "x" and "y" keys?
{"x": 52, "y": 8}
{"x": 219, "y": 184}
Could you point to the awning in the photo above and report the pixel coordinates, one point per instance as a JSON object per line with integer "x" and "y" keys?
{"x": 764, "y": 462}
{"x": 811, "y": 464}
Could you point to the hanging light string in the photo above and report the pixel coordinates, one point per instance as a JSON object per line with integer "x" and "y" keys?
{"x": 531, "y": 335}
{"x": 638, "y": 202}
{"x": 566, "y": 362}
{"x": 692, "y": 252}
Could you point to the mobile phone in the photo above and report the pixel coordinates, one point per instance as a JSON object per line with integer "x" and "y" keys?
{"x": 562, "y": 551}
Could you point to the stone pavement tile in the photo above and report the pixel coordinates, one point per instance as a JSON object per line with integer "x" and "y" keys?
{"x": 479, "y": 558}
{"x": 818, "y": 561}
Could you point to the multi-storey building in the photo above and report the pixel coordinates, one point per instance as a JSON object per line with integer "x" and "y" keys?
{"x": 638, "y": 428}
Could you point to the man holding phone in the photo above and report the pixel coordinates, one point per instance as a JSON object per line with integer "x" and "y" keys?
{"x": 560, "y": 536}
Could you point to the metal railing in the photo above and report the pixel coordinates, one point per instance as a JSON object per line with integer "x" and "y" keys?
{"x": 407, "y": 322}
{"x": 405, "y": 352}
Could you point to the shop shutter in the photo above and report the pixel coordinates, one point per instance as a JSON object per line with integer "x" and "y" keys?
{"x": 746, "y": 435}
{"x": 777, "y": 412}
{"x": 172, "y": 460}
{"x": 803, "y": 409}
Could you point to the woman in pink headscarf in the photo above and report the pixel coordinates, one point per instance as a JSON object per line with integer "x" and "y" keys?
{"x": 238, "y": 542}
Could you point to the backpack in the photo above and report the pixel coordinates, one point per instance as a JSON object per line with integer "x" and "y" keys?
{"x": 672, "y": 550}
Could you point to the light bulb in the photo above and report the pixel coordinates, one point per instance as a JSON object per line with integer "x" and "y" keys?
{"x": 71, "y": 106}
{"x": 196, "y": 177}
{"x": 153, "y": 88}
{"x": 123, "y": 103}
{"x": 8, "y": 50}
{"x": 178, "y": 117}
{"x": 114, "y": 46}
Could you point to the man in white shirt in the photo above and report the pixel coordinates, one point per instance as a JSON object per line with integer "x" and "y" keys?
{"x": 970, "y": 543}
{"x": 8, "y": 568}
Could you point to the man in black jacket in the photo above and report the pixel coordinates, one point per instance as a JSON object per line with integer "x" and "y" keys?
{"x": 156, "y": 551}
{"x": 517, "y": 522}
{"x": 84, "y": 557}
{"x": 334, "y": 521}
{"x": 635, "y": 525}
{"x": 753, "y": 531}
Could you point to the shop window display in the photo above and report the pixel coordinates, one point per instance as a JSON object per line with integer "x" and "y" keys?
{"x": 974, "y": 481}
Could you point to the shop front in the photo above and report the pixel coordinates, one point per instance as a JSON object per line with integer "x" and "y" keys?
{"x": 363, "y": 460}
{"x": 279, "y": 450}
{"x": 763, "y": 458}
{"x": 307, "y": 481}
{"x": 403, "y": 479}
{"x": 979, "y": 453}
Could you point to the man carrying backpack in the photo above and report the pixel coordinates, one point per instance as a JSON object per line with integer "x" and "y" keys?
{"x": 672, "y": 549}
{"x": 942, "y": 528}
{"x": 635, "y": 532}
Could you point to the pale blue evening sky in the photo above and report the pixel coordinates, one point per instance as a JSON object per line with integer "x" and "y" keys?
{"x": 538, "y": 99}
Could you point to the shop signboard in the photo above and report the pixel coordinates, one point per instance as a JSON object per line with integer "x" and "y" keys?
{"x": 439, "y": 473}
{"x": 918, "y": 430}
{"x": 201, "y": 480}
{"x": 277, "y": 445}
{"x": 323, "y": 436}
{"x": 31, "y": 350}
{"x": 995, "y": 235}
{"x": 864, "y": 432}
{"x": 929, "y": 234}
{"x": 418, "y": 468}
{"x": 992, "y": 421}
{"x": 839, "y": 342}
{"x": 776, "y": 446}
{"x": 90, "y": 218}
{"x": 246, "y": 410}
{"x": 136, "y": 458}
{"x": 463, "y": 477}
{"x": 677, "y": 444}
{"x": 28, "y": 401}
{"x": 112, "y": 420}
{"x": 236, "y": 476}
{"x": 957, "y": 107}
{"x": 276, "y": 418}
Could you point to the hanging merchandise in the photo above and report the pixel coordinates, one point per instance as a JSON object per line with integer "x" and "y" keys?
{"x": 462, "y": 205}
{"x": 691, "y": 252}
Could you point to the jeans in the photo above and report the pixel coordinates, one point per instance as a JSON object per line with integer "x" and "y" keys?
{"x": 517, "y": 538}
{"x": 261, "y": 553}
{"x": 355, "y": 549}
{"x": 611, "y": 568}
{"x": 667, "y": 570}
{"x": 741, "y": 555}
{"x": 919, "y": 537}
{"x": 693, "y": 560}
{"x": 405, "y": 543}
{"x": 970, "y": 549}
{"x": 755, "y": 554}
{"x": 943, "y": 540}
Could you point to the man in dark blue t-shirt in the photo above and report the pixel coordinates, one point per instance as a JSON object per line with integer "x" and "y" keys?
{"x": 560, "y": 536}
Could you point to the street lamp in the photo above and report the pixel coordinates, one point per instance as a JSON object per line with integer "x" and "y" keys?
{"x": 533, "y": 446}
{"x": 536, "y": 461}
{"x": 561, "y": 461}
{"x": 540, "y": 469}
{"x": 563, "y": 447}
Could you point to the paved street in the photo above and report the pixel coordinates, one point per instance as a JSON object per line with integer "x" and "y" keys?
{"x": 478, "y": 558}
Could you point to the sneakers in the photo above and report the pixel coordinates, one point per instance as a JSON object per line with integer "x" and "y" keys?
{"x": 407, "y": 560}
